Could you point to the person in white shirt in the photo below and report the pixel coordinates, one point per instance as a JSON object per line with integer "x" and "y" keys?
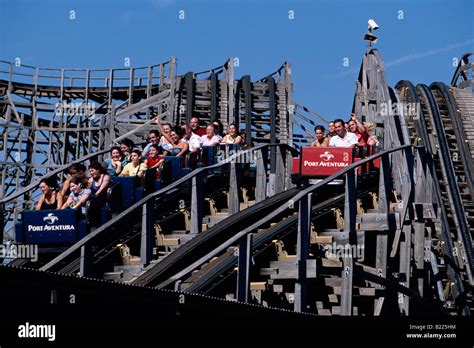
{"x": 343, "y": 138}
{"x": 166, "y": 143}
{"x": 191, "y": 138}
{"x": 233, "y": 136}
{"x": 211, "y": 138}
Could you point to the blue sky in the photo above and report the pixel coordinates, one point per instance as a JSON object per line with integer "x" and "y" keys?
{"x": 418, "y": 44}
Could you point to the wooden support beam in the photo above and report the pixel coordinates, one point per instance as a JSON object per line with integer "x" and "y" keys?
{"x": 189, "y": 83}
{"x": 381, "y": 256}
{"x": 171, "y": 101}
{"x": 261, "y": 178}
{"x": 273, "y": 115}
{"x": 131, "y": 86}
{"x": 197, "y": 199}
{"x": 302, "y": 253}
{"x": 243, "y": 271}
{"x": 86, "y": 263}
{"x": 230, "y": 91}
{"x": 280, "y": 166}
{"x": 385, "y": 184}
{"x": 346, "y": 290}
{"x": 418, "y": 254}
{"x": 405, "y": 254}
{"x": 148, "y": 231}
{"x": 214, "y": 97}
{"x": 234, "y": 205}
{"x": 247, "y": 87}
{"x": 148, "y": 90}
{"x": 350, "y": 207}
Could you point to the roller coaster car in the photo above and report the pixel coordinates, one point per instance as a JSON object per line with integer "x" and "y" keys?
{"x": 321, "y": 162}
{"x": 54, "y": 228}
{"x": 51, "y": 227}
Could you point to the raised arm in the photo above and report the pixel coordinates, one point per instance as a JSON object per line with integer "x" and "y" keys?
{"x": 360, "y": 126}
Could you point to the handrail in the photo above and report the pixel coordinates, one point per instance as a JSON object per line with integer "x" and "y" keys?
{"x": 213, "y": 69}
{"x": 152, "y": 196}
{"x": 85, "y": 70}
{"x": 265, "y": 78}
{"x": 278, "y": 211}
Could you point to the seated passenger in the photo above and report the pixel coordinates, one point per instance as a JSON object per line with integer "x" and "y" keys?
{"x": 116, "y": 162}
{"x": 154, "y": 137}
{"x": 127, "y": 146}
{"x": 165, "y": 140}
{"x": 191, "y": 138}
{"x": 343, "y": 138}
{"x": 75, "y": 170}
{"x": 135, "y": 167}
{"x": 99, "y": 180}
{"x": 195, "y": 127}
{"x": 154, "y": 160}
{"x": 356, "y": 127}
{"x": 79, "y": 195}
{"x": 180, "y": 147}
{"x": 219, "y": 127}
{"x": 233, "y": 136}
{"x": 48, "y": 199}
{"x": 321, "y": 140}
{"x": 331, "y": 131}
{"x": 211, "y": 138}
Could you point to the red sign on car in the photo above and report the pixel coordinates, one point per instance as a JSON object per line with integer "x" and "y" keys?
{"x": 322, "y": 161}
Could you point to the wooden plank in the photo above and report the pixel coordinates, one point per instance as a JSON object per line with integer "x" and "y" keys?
{"x": 346, "y": 291}
{"x": 366, "y": 291}
{"x": 381, "y": 257}
{"x": 405, "y": 253}
{"x": 331, "y": 263}
{"x": 322, "y": 240}
{"x": 288, "y": 269}
{"x": 333, "y": 298}
{"x": 333, "y": 281}
{"x": 418, "y": 254}
{"x": 378, "y": 221}
{"x": 342, "y": 238}
{"x": 258, "y": 285}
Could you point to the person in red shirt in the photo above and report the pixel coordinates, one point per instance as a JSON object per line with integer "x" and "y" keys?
{"x": 356, "y": 127}
{"x": 154, "y": 160}
{"x": 195, "y": 128}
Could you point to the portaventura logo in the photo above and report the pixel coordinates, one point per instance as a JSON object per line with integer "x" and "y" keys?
{"x": 37, "y": 331}
{"x": 325, "y": 164}
{"x": 327, "y": 156}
